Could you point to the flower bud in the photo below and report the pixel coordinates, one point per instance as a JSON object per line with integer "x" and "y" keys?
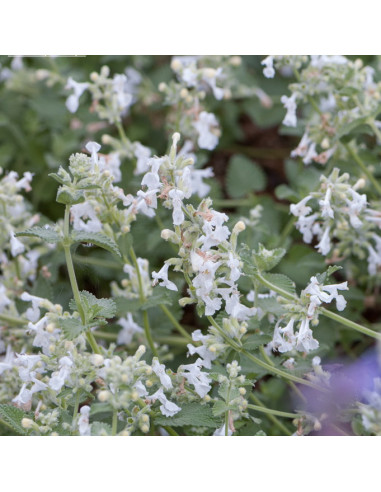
{"x": 176, "y": 65}
{"x": 184, "y": 93}
{"x": 235, "y": 61}
{"x": 97, "y": 359}
{"x": 104, "y": 396}
{"x": 27, "y": 423}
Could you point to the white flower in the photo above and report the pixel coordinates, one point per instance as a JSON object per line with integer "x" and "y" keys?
{"x": 4, "y": 301}
{"x": 300, "y": 209}
{"x": 206, "y": 355}
{"x": 318, "y": 296}
{"x": 284, "y": 339}
{"x": 200, "y": 380}
{"x": 123, "y": 97}
{"x": 178, "y": 214}
{"x": 268, "y": 71}
{"x": 33, "y": 313}
{"x": 167, "y": 408}
{"x": 159, "y": 370}
{"x": 305, "y": 340}
{"x": 17, "y": 246}
{"x": 58, "y": 378}
{"x": 233, "y": 264}
{"x": 82, "y": 212}
{"x": 142, "y": 155}
{"x": 93, "y": 148}
{"x": 163, "y": 276}
{"x": 72, "y": 102}
{"x": 210, "y": 76}
{"x": 325, "y": 205}
{"x": 204, "y": 125}
{"x": 8, "y": 361}
{"x": 221, "y": 432}
{"x": 290, "y": 104}
{"x": 84, "y": 426}
{"x": 198, "y": 186}
{"x": 324, "y": 245}
{"x": 129, "y": 329}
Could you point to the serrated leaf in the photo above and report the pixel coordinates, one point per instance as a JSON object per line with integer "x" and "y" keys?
{"x": 349, "y": 127}
{"x": 101, "y": 429}
{"x": 71, "y": 327}
{"x": 252, "y": 342}
{"x": 243, "y": 176}
{"x": 96, "y": 238}
{"x": 95, "y": 308}
{"x": 12, "y": 416}
{"x": 48, "y": 235}
{"x": 281, "y": 281}
{"x": 190, "y": 414}
{"x": 266, "y": 259}
{"x": 68, "y": 196}
{"x": 124, "y": 305}
{"x": 160, "y": 295}
{"x": 219, "y": 408}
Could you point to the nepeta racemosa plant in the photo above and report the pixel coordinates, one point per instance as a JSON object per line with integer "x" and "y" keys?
{"x": 160, "y": 302}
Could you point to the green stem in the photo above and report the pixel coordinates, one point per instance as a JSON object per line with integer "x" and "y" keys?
{"x": 362, "y": 165}
{"x": 227, "y": 412}
{"x": 350, "y": 324}
{"x": 114, "y": 424}
{"x": 122, "y": 133}
{"x": 147, "y": 329}
{"x": 170, "y": 431}
{"x": 270, "y": 416}
{"x": 272, "y": 369}
{"x": 175, "y": 323}
{"x": 290, "y": 383}
{"x": 73, "y": 280}
{"x": 340, "y": 319}
{"x": 286, "y": 231}
{"x": 270, "y": 411}
{"x": 12, "y": 320}
{"x": 76, "y": 405}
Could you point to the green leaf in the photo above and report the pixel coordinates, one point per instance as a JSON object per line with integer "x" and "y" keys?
{"x": 96, "y": 238}
{"x": 219, "y": 408}
{"x": 71, "y": 327}
{"x": 46, "y": 234}
{"x": 95, "y": 308}
{"x": 160, "y": 295}
{"x": 281, "y": 281}
{"x": 12, "y": 417}
{"x": 284, "y": 192}
{"x": 68, "y": 196}
{"x": 101, "y": 429}
{"x": 252, "y": 342}
{"x": 243, "y": 176}
{"x": 190, "y": 414}
{"x": 266, "y": 259}
{"x": 349, "y": 127}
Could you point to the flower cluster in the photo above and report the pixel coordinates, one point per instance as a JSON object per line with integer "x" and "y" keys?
{"x": 343, "y": 222}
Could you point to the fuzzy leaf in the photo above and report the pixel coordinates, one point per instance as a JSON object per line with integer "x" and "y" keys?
{"x": 12, "y": 417}
{"x": 243, "y": 176}
{"x": 96, "y": 238}
{"x": 71, "y": 327}
{"x": 190, "y": 414}
{"x": 100, "y": 429}
{"x": 95, "y": 308}
{"x": 281, "y": 281}
{"x": 266, "y": 259}
{"x": 252, "y": 342}
{"x": 47, "y": 235}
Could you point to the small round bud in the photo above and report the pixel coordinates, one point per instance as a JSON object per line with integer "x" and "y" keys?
{"x": 207, "y": 398}
{"x": 166, "y": 234}
{"x": 145, "y": 418}
{"x": 94, "y": 76}
{"x": 50, "y": 327}
{"x": 124, "y": 282}
{"x": 148, "y": 370}
{"x": 149, "y": 383}
{"x": 134, "y": 395}
{"x": 27, "y": 423}
{"x": 105, "y": 71}
{"x": 97, "y": 209}
{"x": 210, "y": 73}
{"x": 176, "y": 65}
{"x": 97, "y": 359}
{"x": 104, "y": 396}
{"x": 212, "y": 349}
{"x": 184, "y": 93}
{"x": 124, "y": 433}
{"x": 189, "y": 99}
{"x": 106, "y": 139}
{"x": 242, "y": 391}
{"x": 144, "y": 428}
{"x": 325, "y": 143}
{"x": 106, "y": 173}
{"x": 175, "y": 138}
{"x": 162, "y": 86}
{"x": 54, "y": 434}
{"x": 52, "y": 348}
{"x": 125, "y": 229}
{"x": 239, "y": 227}
{"x": 227, "y": 94}
{"x": 235, "y": 61}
